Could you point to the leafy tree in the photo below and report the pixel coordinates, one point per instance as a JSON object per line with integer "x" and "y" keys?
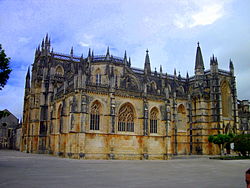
{"x": 242, "y": 144}
{"x": 221, "y": 140}
{"x": 4, "y": 68}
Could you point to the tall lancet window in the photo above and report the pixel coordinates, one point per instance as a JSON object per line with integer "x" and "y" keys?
{"x": 98, "y": 77}
{"x": 95, "y": 116}
{"x": 153, "y": 120}
{"x": 126, "y": 118}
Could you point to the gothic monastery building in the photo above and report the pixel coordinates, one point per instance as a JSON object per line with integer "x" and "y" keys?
{"x": 100, "y": 107}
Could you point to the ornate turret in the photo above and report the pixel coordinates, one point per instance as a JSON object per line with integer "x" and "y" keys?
{"x": 147, "y": 69}
{"x": 89, "y": 55}
{"x": 199, "y": 65}
{"x": 47, "y": 43}
{"x": 213, "y": 64}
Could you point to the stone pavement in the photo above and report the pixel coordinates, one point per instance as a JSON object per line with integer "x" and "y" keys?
{"x": 18, "y": 170}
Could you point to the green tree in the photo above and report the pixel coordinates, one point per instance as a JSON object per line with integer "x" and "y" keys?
{"x": 242, "y": 144}
{"x": 4, "y": 68}
{"x": 221, "y": 140}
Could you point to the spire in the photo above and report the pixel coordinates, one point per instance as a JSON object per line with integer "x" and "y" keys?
{"x": 107, "y": 54}
{"x": 147, "y": 69}
{"x": 125, "y": 58}
{"x": 89, "y": 54}
{"x": 42, "y": 44}
{"x": 46, "y": 39}
{"x": 231, "y": 66}
{"x": 129, "y": 62}
{"x": 199, "y": 65}
{"x": 187, "y": 76}
{"x": 71, "y": 51}
{"x": 160, "y": 71}
{"x": 174, "y": 72}
{"x": 27, "y": 84}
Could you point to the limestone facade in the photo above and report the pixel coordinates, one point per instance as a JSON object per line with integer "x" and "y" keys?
{"x": 100, "y": 107}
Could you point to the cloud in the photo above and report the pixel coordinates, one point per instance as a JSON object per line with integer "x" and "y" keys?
{"x": 208, "y": 15}
{"x": 199, "y": 13}
{"x": 24, "y": 40}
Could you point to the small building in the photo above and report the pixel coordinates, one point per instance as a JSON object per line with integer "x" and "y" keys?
{"x": 244, "y": 116}
{"x": 8, "y": 126}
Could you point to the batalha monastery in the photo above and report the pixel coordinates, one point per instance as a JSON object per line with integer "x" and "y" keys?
{"x": 100, "y": 107}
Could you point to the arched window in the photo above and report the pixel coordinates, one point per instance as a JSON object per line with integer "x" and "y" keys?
{"x": 181, "y": 109}
{"x": 226, "y": 99}
{"x": 95, "y": 116}
{"x": 126, "y": 118}
{"x": 59, "y": 71}
{"x": 153, "y": 86}
{"x": 153, "y": 120}
{"x": 60, "y": 119}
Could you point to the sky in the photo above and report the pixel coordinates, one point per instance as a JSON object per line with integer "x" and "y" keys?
{"x": 169, "y": 29}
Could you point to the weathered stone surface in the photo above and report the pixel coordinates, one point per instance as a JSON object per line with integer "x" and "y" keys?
{"x": 99, "y": 107}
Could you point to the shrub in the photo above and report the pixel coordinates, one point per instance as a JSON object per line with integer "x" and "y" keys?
{"x": 242, "y": 144}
